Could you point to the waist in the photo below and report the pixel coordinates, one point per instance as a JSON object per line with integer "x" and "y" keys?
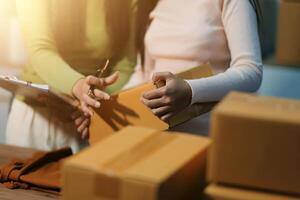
{"x": 29, "y": 101}
{"x": 174, "y": 65}
{"x": 179, "y": 65}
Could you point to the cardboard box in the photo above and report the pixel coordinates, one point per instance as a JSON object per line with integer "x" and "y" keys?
{"x": 219, "y": 192}
{"x": 288, "y": 40}
{"x": 256, "y": 143}
{"x": 126, "y": 109}
{"x": 138, "y": 164}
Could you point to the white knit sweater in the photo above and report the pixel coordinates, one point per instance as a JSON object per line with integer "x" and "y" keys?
{"x": 188, "y": 33}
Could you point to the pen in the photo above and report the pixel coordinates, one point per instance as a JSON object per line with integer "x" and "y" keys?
{"x": 99, "y": 74}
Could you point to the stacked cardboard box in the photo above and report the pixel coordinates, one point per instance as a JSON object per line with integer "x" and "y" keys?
{"x": 288, "y": 40}
{"x": 256, "y": 144}
{"x": 138, "y": 164}
{"x": 220, "y": 192}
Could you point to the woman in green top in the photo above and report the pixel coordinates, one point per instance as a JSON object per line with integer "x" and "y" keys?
{"x": 68, "y": 40}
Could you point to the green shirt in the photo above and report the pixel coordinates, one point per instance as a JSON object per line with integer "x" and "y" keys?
{"x": 65, "y": 44}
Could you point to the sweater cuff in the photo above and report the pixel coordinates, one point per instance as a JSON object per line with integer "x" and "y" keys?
{"x": 69, "y": 84}
{"x": 192, "y": 86}
{"x": 116, "y": 87}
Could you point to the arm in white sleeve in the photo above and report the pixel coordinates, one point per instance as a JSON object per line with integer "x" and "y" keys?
{"x": 245, "y": 72}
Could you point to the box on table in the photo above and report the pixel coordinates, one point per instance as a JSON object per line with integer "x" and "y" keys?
{"x": 126, "y": 109}
{"x": 288, "y": 40}
{"x": 138, "y": 164}
{"x": 256, "y": 143}
{"x": 220, "y": 192}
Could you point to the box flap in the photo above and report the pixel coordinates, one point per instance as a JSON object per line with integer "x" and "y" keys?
{"x": 196, "y": 72}
{"x": 123, "y": 110}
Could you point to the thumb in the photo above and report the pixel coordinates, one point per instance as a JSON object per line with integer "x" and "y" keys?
{"x": 161, "y": 76}
{"x": 111, "y": 79}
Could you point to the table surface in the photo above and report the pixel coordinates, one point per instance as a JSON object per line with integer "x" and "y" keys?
{"x": 281, "y": 81}
{"x": 6, "y": 154}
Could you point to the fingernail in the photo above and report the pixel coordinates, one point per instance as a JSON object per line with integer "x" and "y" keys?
{"x": 84, "y": 135}
{"x": 97, "y": 105}
{"x": 107, "y": 97}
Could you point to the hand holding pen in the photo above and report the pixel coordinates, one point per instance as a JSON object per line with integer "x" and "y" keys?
{"x": 89, "y": 90}
{"x": 99, "y": 74}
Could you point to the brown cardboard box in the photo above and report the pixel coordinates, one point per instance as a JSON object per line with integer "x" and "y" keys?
{"x": 138, "y": 164}
{"x": 288, "y": 40}
{"x": 256, "y": 143}
{"x": 219, "y": 192}
{"x": 126, "y": 109}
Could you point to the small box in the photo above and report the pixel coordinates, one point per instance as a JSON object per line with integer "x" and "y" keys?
{"x": 256, "y": 143}
{"x": 220, "y": 192}
{"x": 288, "y": 34}
{"x": 126, "y": 109}
{"x": 138, "y": 164}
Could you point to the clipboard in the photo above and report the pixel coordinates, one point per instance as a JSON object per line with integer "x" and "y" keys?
{"x": 40, "y": 93}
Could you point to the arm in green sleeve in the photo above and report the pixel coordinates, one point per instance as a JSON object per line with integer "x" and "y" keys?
{"x": 34, "y": 17}
{"x": 126, "y": 68}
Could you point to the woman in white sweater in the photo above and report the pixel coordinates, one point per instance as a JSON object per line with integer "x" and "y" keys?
{"x": 185, "y": 34}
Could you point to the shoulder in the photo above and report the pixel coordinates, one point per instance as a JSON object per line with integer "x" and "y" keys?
{"x": 230, "y": 5}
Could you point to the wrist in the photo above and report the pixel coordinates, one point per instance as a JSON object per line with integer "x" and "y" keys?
{"x": 76, "y": 88}
{"x": 190, "y": 92}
